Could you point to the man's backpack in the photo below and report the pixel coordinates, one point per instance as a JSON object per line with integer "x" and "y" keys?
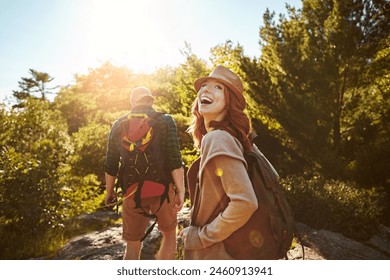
{"x": 141, "y": 174}
{"x": 269, "y": 232}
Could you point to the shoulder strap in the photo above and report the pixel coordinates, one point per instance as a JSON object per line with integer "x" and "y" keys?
{"x": 252, "y": 136}
{"x": 192, "y": 177}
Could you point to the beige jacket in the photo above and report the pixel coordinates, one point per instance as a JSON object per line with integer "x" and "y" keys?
{"x": 222, "y": 170}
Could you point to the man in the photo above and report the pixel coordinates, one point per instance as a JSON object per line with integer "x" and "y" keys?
{"x": 134, "y": 222}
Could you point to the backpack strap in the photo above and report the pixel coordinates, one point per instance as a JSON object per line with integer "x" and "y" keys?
{"x": 252, "y": 136}
{"x": 192, "y": 177}
{"x": 165, "y": 196}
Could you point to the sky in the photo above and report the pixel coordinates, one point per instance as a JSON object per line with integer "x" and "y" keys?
{"x": 68, "y": 37}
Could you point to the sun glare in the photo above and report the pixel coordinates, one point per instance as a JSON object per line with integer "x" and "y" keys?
{"x": 127, "y": 33}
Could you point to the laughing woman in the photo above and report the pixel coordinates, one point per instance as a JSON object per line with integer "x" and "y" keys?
{"x": 220, "y": 129}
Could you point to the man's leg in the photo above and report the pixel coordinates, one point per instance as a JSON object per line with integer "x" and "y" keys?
{"x": 134, "y": 225}
{"x": 168, "y": 246}
{"x": 133, "y": 250}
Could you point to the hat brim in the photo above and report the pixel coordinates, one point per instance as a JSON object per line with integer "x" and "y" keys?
{"x": 136, "y": 100}
{"x": 198, "y": 83}
{"x": 146, "y": 97}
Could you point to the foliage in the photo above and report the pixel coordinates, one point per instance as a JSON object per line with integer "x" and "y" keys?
{"x": 74, "y": 108}
{"x": 174, "y": 86}
{"x": 318, "y": 96}
{"x": 96, "y": 96}
{"x": 186, "y": 74}
{"x": 367, "y": 134}
{"x": 90, "y": 143}
{"x": 29, "y": 87}
{"x": 182, "y": 124}
{"x": 335, "y": 205}
{"x": 167, "y": 99}
{"x": 34, "y": 201}
{"x": 309, "y": 73}
{"x": 231, "y": 56}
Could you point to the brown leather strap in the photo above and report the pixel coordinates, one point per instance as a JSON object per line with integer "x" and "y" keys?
{"x": 252, "y": 136}
{"x": 192, "y": 177}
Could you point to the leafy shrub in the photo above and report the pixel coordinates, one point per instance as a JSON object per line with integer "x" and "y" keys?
{"x": 90, "y": 143}
{"x": 38, "y": 192}
{"x": 182, "y": 124}
{"x": 189, "y": 156}
{"x": 336, "y": 206}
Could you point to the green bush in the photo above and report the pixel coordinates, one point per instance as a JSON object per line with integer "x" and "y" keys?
{"x": 182, "y": 124}
{"x": 189, "y": 156}
{"x": 336, "y": 206}
{"x": 38, "y": 191}
{"x": 90, "y": 143}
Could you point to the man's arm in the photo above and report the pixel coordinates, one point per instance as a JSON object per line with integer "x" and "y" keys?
{"x": 111, "y": 196}
{"x": 178, "y": 179}
{"x": 111, "y": 166}
{"x": 174, "y": 161}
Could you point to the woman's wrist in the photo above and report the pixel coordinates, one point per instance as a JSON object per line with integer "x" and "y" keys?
{"x": 180, "y": 190}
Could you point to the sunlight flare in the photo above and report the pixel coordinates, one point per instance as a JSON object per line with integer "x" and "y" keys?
{"x": 128, "y": 33}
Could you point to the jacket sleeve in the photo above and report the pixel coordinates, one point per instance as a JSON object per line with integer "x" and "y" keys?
{"x": 111, "y": 164}
{"x": 172, "y": 146}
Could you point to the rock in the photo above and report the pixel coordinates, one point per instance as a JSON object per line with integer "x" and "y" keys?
{"x": 108, "y": 244}
{"x": 318, "y": 244}
{"x": 334, "y": 246}
{"x": 310, "y": 254}
{"x": 381, "y": 240}
{"x": 98, "y": 245}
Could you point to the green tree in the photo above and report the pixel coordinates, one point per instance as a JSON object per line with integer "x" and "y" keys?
{"x": 367, "y": 134}
{"x": 228, "y": 55}
{"x": 96, "y": 95}
{"x": 90, "y": 143}
{"x": 34, "y": 147}
{"x": 186, "y": 74}
{"x": 311, "y": 65}
{"x": 37, "y": 84}
{"x": 163, "y": 87}
{"x": 38, "y": 193}
{"x": 233, "y": 57}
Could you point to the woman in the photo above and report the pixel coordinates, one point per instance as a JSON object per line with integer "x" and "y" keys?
{"x": 220, "y": 129}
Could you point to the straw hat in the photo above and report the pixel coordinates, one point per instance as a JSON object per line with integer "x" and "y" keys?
{"x": 139, "y": 93}
{"x": 225, "y": 76}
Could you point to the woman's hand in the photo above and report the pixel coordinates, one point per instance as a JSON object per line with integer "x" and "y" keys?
{"x": 183, "y": 234}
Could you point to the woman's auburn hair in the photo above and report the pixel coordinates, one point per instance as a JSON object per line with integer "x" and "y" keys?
{"x": 236, "y": 121}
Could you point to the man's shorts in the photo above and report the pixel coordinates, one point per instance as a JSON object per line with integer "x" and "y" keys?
{"x": 135, "y": 223}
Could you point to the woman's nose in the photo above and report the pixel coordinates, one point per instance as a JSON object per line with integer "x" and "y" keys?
{"x": 204, "y": 89}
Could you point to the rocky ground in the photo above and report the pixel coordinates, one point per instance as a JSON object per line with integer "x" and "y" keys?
{"x": 107, "y": 244}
